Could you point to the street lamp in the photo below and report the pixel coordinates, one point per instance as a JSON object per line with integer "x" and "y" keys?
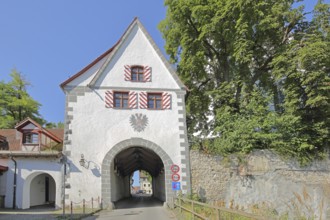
{"x": 83, "y": 162}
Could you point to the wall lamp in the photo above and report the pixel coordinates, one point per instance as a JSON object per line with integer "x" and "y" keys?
{"x": 83, "y": 162}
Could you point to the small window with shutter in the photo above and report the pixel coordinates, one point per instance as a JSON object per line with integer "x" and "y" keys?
{"x": 137, "y": 73}
{"x": 155, "y": 101}
{"x": 120, "y": 100}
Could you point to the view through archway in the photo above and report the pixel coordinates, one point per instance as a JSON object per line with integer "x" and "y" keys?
{"x": 141, "y": 183}
{"x": 128, "y": 156}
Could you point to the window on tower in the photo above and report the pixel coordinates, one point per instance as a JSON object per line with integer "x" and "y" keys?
{"x": 137, "y": 74}
{"x": 154, "y": 101}
{"x": 121, "y": 99}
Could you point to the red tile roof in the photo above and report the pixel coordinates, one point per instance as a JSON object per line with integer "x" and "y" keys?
{"x": 13, "y": 137}
{"x": 2, "y": 138}
{"x": 58, "y": 132}
{"x": 28, "y": 120}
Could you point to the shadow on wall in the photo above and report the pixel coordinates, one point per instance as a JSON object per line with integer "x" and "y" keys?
{"x": 96, "y": 171}
{"x": 89, "y": 165}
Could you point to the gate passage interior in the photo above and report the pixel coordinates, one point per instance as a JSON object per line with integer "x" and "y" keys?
{"x": 135, "y": 154}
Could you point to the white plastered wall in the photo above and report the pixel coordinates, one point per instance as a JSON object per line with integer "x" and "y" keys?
{"x": 96, "y": 129}
{"x": 103, "y": 129}
{"x": 27, "y": 170}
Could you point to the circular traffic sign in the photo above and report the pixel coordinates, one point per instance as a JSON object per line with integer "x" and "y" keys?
{"x": 175, "y": 177}
{"x": 175, "y": 168}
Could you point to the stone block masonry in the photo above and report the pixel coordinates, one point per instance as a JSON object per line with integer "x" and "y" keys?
{"x": 263, "y": 183}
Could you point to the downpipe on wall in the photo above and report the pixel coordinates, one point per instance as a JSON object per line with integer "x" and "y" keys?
{"x": 15, "y": 182}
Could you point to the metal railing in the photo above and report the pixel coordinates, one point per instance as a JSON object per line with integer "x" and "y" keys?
{"x": 83, "y": 208}
{"x": 199, "y": 210}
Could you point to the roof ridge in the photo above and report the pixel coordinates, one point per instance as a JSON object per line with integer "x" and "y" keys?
{"x": 87, "y": 67}
{"x": 110, "y": 53}
{"x": 104, "y": 65}
{"x": 96, "y": 60}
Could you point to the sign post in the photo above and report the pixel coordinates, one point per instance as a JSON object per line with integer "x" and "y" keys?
{"x": 176, "y": 185}
{"x": 175, "y": 177}
{"x": 175, "y": 168}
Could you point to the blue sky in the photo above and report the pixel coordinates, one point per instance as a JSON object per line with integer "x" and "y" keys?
{"x": 49, "y": 41}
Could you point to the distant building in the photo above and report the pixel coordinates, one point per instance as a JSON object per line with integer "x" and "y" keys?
{"x": 145, "y": 184}
{"x": 30, "y": 165}
{"x": 135, "y": 189}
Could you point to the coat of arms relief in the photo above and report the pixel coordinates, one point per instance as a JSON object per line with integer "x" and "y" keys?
{"x": 138, "y": 122}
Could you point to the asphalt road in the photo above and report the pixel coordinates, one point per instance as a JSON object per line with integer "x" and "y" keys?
{"x": 30, "y": 214}
{"x": 139, "y": 207}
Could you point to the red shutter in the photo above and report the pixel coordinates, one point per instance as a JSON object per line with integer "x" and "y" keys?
{"x": 127, "y": 73}
{"x": 109, "y": 99}
{"x": 143, "y": 100}
{"x": 132, "y": 100}
{"x": 147, "y": 73}
{"x": 166, "y": 98}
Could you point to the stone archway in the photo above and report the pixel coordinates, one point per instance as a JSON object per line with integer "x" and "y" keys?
{"x": 133, "y": 142}
{"x": 35, "y": 184}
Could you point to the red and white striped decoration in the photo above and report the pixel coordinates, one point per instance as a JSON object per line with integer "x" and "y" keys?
{"x": 132, "y": 100}
{"x": 127, "y": 73}
{"x": 143, "y": 100}
{"x": 166, "y": 98}
{"x": 109, "y": 99}
{"x": 147, "y": 74}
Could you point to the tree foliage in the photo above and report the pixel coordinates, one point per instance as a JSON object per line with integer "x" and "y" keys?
{"x": 257, "y": 73}
{"x": 15, "y": 102}
{"x": 54, "y": 125}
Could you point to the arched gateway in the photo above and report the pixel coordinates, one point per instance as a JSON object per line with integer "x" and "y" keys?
{"x": 124, "y": 112}
{"x": 39, "y": 189}
{"x": 108, "y": 164}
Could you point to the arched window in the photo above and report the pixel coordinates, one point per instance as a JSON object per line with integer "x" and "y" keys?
{"x": 137, "y": 73}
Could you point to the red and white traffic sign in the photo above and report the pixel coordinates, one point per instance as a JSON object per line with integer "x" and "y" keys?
{"x": 175, "y": 177}
{"x": 175, "y": 168}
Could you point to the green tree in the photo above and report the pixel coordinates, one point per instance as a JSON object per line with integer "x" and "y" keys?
{"x": 15, "y": 103}
{"x": 304, "y": 72}
{"x": 235, "y": 57}
{"x": 54, "y": 125}
{"x": 149, "y": 177}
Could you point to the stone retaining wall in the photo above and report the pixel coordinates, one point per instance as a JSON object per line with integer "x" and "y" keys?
{"x": 263, "y": 183}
